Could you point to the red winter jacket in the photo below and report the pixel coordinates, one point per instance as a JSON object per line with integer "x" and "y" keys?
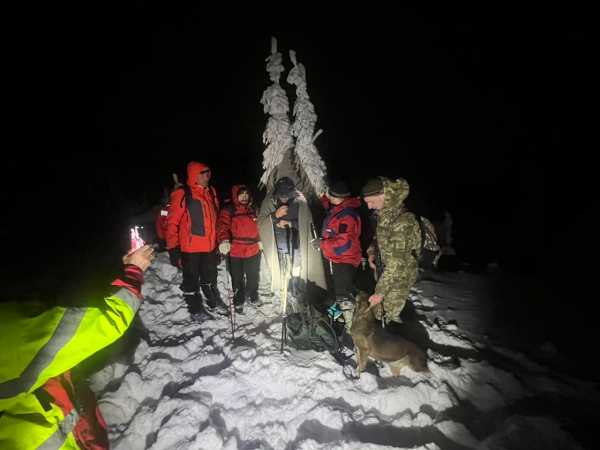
{"x": 341, "y": 232}
{"x": 161, "y": 222}
{"x": 192, "y": 227}
{"x": 237, "y": 224}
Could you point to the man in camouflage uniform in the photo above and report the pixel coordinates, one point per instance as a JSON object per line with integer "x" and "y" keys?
{"x": 398, "y": 241}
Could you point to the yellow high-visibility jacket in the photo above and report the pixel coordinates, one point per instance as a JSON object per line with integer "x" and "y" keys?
{"x": 37, "y": 344}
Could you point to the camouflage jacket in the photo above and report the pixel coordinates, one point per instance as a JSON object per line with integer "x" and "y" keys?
{"x": 398, "y": 233}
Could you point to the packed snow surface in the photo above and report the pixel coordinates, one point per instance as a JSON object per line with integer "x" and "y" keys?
{"x": 191, "y": 386}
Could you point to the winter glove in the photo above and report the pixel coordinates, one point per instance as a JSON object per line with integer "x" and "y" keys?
{"x": 224, "y": 247}
{"x": 174, "y": 255}
{"x": 316, "y": 243}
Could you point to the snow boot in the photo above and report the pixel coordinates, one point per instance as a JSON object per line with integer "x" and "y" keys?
{"x": 201, "y": 316}
{"x": 239, "y": 309}
{"x": 195, "y": 307}
{"x": 213, "y": 300}
{"x": 252, "y": 299}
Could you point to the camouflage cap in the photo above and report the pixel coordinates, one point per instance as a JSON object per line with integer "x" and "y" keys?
{"x": 372, "y": 188}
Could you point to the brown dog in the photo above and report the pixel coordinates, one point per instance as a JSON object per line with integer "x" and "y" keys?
{"x": 370, "y": 339}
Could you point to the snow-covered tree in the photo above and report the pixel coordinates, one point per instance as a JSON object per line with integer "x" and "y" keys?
{"x": 277, "y": 157}
{"x": 308, "y": 161}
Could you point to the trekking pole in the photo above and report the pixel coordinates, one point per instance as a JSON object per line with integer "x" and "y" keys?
{"x": 284, "y": 304}
{"x": 231, "y": 309}
{"x": 287, "y": 269}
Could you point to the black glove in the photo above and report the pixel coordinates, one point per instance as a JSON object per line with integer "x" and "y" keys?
{"x": 174, "y": 255}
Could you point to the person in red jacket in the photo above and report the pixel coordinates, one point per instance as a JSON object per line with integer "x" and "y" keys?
{"x": 161, "y": 219}
{"x": 237, "y": 233}
{"x": 192, "y": 236}
{"x": 340, "y": 243}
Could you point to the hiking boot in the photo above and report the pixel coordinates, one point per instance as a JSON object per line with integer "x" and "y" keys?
{"x": 195, "y": 307}
{"x": 217, "y": 307}
{"x": 334, "y": 311}
{"x": 239, "y": 309}
{"x": 213, "y": 300}
{"x": 252, "y": 298}
{"x": 201, "y": 316}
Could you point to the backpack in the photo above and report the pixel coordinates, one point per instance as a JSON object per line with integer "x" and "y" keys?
{"x": 309, "y": 329}
{"x": 429, "y": 240}
{"x": 188, "y": 197}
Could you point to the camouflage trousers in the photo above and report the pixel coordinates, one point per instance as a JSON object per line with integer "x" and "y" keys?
{"x": 347, "y": 307}
{"x": 396, "y": 299}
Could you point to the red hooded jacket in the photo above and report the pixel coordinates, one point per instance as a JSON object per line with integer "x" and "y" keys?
{"x": 161, "y": 222}
{"x": 237, "y": 224}
{"x": 341, "y": 232}
{"x": 192, "y": 227}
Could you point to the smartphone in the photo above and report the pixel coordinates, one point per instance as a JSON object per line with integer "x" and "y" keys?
{"x": 136, "y": 241}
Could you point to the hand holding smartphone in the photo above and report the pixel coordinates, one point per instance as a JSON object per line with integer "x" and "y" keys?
{"x": 136, "y": 241}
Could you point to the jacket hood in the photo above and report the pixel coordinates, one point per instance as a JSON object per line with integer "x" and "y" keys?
{"x": 395, "y": 191}
{"x": 234, "y": 193}
{"x": 284, "y": 187}
{"x": 193, "y": 170}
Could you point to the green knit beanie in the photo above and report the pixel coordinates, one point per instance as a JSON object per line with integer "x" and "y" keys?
{"x": 373, "y": 187}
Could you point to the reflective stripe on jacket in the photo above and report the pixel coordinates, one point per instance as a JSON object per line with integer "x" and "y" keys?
{"x": 39, "y": 347}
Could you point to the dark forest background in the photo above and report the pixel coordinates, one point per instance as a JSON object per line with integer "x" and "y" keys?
{"x": 489, "y": 112}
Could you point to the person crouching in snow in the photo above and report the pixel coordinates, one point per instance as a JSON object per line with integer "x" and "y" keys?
{"x": 192, "y": 236}
{"x": 340, "y": 242}
{"x": 237, "y": 234}
{"x": 45, "y": 402}
{"x": 284, "y": 224}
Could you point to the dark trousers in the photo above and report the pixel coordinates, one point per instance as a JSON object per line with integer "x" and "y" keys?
{"x": 198, "y": 268}
{"x": 249, "y": 267}
{"x": 343, "y": 279}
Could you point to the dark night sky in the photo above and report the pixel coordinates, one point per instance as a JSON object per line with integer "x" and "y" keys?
{"x": 490, "y": 113}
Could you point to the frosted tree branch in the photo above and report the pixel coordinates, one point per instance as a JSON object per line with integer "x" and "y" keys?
{"x": 277, "y": 134}
{"x": 307, "y": 157}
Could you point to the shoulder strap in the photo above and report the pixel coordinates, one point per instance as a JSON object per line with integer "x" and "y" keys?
{"x": 231, "y": 208}
{"x": 213, "y": 197}
{"x": 187, "y": 196}
{"x": 422, "y": 228}
{"x": 401, "y": 211}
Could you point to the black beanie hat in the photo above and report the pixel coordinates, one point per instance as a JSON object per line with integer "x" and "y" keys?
{"x": 372, "y": 188}
{"x": 284, "y": 187}
{"x": 339, "y": 189}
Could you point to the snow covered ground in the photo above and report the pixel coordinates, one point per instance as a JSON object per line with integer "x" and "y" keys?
{"x": 189, "y": 386}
